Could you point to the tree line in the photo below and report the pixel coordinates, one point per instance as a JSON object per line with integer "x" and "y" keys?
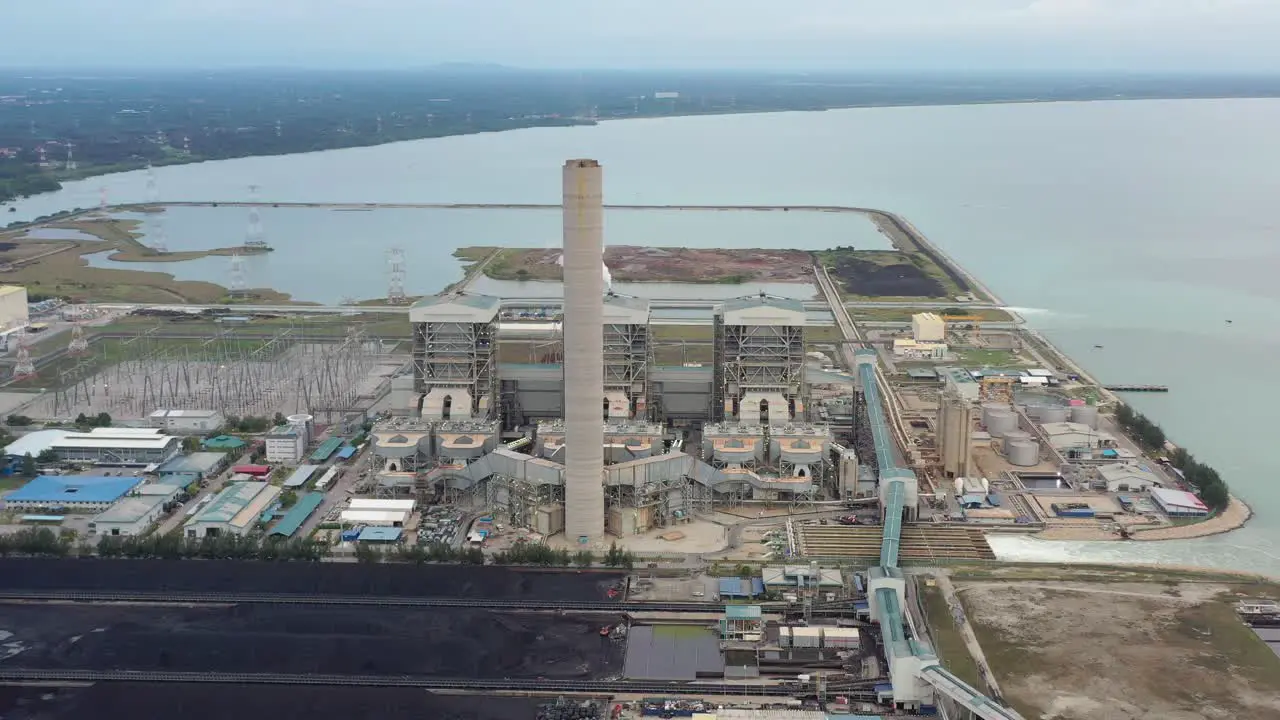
{"x": 47, "y": 542}
{"x": 1212, "y": 488}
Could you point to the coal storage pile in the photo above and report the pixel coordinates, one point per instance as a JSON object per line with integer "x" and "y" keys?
{"x": 199, "y": 701}
{"x": 300, "y": 578}
{"x": 429, "y": 642}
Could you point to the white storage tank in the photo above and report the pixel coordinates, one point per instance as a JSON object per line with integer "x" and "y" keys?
{"x": 1023, "y": 453}
{"x": 990, "y": 408}
{"x": 1054, "y": 414}
{"x": 1085, "y": 415}
{"x": 1014, "y": 436}
{"x": 1000, "y": 422}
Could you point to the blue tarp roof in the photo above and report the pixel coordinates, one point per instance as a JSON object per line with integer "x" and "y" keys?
{"x": 54, "y": 489}
{"x": 737, "y": 587}
{"x": 346, "y": 453}
{"x": 298, "y": 514}
{"x": 380, "y": 534}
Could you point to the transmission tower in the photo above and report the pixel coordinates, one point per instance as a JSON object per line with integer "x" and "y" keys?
{"x": 255, "y": 236}
{"x": 238, "y": 284}
{"x": 24, "y": 368}
{"x": 395, "y": 288}
{"x": 71, "y": 162}
{"x": 159, "y": 239}
{"x": 79, "y": 345}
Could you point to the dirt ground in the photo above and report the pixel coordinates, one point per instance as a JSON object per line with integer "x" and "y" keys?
{"x": 432, "y": 642}
{"x": 198, "y": 701}
{"x": 629, "y": 263}
{"x": 1122, "y": 651}
{"x": 390, "y": 580}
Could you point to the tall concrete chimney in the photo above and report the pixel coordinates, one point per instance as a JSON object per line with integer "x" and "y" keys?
{"x": 583, "y": 350}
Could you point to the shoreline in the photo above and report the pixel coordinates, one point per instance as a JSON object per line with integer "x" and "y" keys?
{"x": 89, "y": 173}
{"x": 1235, "y": 516}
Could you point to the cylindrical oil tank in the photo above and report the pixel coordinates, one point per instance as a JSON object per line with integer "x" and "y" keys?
{"x": 991, "y": 408}
{"x": 1023, "y": 453}
{"x": 1085, "y": 415}
{"x": 1054, "y": 414}
{"x": 1000, "y": 422}
{"x": 1013, "y": 436}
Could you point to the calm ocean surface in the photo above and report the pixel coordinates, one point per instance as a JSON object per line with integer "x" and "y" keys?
{"x": 1139, "y": 226}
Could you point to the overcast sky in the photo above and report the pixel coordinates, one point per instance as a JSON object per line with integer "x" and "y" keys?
{"x": 1141, "y": 35}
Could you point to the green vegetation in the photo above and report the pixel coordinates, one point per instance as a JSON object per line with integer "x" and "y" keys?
{"x": 987, "y": 358}
{"x": 1212, "y": 488}
{"x": 231, "y": 547}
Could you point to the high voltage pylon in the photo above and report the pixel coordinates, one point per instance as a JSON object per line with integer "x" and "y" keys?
{"x": 256, "y": 236}
{"x": 23, "y": 368}
{"x": 79, "y": 344}
{"x": 159, "y": 240}
{"x": 238, "y": 284}
{"x": 395, "y": 266}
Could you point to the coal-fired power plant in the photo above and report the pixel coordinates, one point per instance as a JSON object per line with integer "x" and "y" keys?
{"x": 583, "y": 350}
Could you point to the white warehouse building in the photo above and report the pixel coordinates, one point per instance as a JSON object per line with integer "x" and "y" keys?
{"x": 233, "y": 511}
{"x": 117, "y": 446}
{"x": 928, "y": 328}
{"x": 13, "y": 307}
{"x": 187, "y": 421}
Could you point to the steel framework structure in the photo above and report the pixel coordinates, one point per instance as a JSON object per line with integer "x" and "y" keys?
{"x": 767, "y": 358}
{"x": 228, "y": 372}
{"x": 456, "y": 355}
{"x": 627, "y": 356}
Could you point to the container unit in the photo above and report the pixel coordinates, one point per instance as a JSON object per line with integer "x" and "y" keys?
{"x": 1000, "y": 422}
{"x": 784, "y": 636}
{"x": 841, "y": 638}
{"x": 806, "y": 637}
{"x": 1085, "y": 415}
{"x": 1053, "y": 414}
{"x": 1023, "y": 453}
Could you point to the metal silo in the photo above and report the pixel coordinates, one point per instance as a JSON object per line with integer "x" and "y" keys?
{"x": 1053, "y": 414}
{"x": 991, "y": 408}
{"x": 1013, "y": 436}
{"x": 1085, "y": 415}
{"x": 1000, "y": 422}
{"x": 1023, "y": 453}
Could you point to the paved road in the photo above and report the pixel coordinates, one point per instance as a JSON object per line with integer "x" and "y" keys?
{"x": 179, "y": 516}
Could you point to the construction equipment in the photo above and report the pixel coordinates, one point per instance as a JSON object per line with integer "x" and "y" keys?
{"x": 974, "y": 320}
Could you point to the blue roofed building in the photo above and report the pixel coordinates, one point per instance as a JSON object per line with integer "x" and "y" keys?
{"x": 733, "y": 587}
{"x": 83, "y": 493}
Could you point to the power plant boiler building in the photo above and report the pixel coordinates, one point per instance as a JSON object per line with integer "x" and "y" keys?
{"x": 759, "y": 360}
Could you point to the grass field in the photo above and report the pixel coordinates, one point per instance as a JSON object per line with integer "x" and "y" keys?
{"x": 67, "y": 274}
{"x": 985, "y": 357}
